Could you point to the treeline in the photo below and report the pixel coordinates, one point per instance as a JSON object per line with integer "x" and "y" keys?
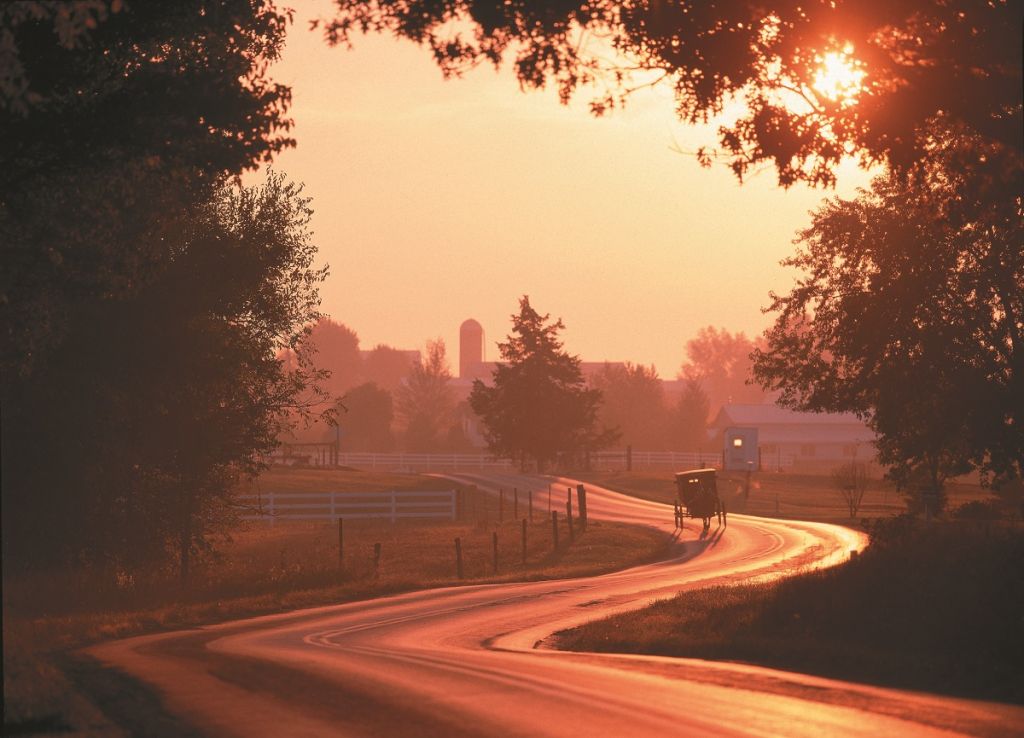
{"x": 387, "y": 399}
{"x": 382, "y": 400}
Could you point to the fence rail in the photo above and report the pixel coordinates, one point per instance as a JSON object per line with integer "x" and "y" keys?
{"x": 391, "y": 505}
{"x": 620, "y": 459}
{"x": 404, "y": 462}
{"x": 644, "y": 459}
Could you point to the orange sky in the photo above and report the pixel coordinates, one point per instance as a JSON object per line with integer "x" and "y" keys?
{"x": 441, "y": 200}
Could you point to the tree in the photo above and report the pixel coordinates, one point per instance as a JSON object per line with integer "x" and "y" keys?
{"x": 539, "y": 407}
{"x": 852, "y": 482}
{"x": 118, "y": 118}
{"x": 122, "y": 448}
{"x": 909, "y": 312}
{"x": 366, "y": 422}
{"x": 819, "y": 80}
{"x": 335, "y": 347}
{"x": 721, "y": 363}
{"x": 387, "y": 366}
{"x": 689, "y": 418}
{"x": 425, "y": 402}
{"x": 633, "y": 401}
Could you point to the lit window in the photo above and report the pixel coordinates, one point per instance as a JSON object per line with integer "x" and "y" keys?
{"x": 737, "y": 442}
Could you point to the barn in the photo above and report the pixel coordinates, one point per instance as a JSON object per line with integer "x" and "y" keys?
{"x": 788, "y": 438}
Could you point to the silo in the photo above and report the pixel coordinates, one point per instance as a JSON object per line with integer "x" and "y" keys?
{"x": 471, "y": 348}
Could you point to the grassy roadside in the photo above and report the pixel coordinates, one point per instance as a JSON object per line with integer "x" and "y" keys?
{"x": 779, "y": 495}
{"x": 937, "y": 608}
{"x": 264, "y": 569}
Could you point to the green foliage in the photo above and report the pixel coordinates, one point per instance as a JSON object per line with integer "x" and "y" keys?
{"x": 909, "y": 311}
{"x": 539, "y": 408}
{"x": 125, "y": 443}
{"x": 922, "y": 60}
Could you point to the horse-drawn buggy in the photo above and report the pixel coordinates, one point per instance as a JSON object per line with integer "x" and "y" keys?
{"x": 698, "y": 497}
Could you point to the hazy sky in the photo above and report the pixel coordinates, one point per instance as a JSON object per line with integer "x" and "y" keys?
{"x": 440, "y": 200}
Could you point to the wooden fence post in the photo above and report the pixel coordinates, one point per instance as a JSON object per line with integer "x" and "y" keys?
{"x": 581, "y": 500}
{"x": 494, "y": 543}
{"x": 554, "y": 528}
{"x": 531, "y": 506}
{"x": 524, "y": 541}
{"x": 376, "y": 559}
{"x": 458, "y": 557}
{"x": 341, "y": 543}
{"x": 568, "y": 519}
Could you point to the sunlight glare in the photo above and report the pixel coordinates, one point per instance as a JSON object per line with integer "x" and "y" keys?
{"x": 839, "y": 76}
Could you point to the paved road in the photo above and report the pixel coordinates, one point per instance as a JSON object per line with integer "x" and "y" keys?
{"x": 471, "y": 660}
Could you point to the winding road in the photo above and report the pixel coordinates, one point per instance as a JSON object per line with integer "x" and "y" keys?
{"x": 472, "y": 661}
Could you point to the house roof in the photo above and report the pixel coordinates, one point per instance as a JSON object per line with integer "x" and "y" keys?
{"x": 780, "y": 425}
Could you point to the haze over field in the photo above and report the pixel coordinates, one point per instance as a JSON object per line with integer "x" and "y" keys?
{"x": 471, "y": 193}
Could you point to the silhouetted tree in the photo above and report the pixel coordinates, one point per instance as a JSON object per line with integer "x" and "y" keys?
{"x": 335, "y": 349}
{"x": 851, "y": 480}
{"x": 387, "y": 366}
{"x": 633, "y": 401}
{"x": 909, "y": 312}
{"x": 689, "y": 418}
{"x": 366, "y": 421}
{"x": 123, "y": 447}
{"x": 539, "y": 407}
{"x": 426, "y": 402}
{"x": 721, "y": 362}
{"x": 922, "y": 61}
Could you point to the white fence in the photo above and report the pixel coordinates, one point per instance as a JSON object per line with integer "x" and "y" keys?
{"x": 678, "y": 460}
{"x": 601, "y": 460}
{"x": 392, "y": 505}
{"x": 423, "y": 462}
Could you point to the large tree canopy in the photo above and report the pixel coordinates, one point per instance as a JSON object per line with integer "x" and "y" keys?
{"x": 910, "y": 311}
{"x": 130, "y": 436}
{"x": 820, "y": 79}
{"x": 116, "y": 118}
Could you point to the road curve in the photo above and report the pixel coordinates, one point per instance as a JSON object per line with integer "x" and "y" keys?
{"x": 471, "y": 661}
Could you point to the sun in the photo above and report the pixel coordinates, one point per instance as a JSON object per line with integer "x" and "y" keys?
{"x": 839, "y": 76}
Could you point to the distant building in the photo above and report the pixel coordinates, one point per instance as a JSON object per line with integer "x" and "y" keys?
{"x": 472, "y": 363}
{"x": 805, "y": 439}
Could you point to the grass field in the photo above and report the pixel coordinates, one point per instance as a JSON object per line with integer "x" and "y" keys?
{"x": 937, "y": 608}
{"x": 780, "y": 495}
{"x": 264, "y": 569}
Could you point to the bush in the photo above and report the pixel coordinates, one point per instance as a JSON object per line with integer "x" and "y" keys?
{"x": 978, "y": 510}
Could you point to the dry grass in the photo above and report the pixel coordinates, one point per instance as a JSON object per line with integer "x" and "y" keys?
{"x": 313, "y": 479}
{"x": 937, "y": 609}
{"x": 291, "y": 565}
{"x": 781, "y": 495}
